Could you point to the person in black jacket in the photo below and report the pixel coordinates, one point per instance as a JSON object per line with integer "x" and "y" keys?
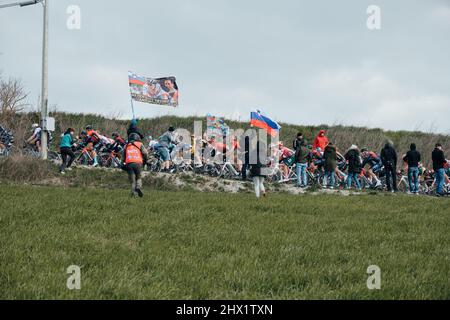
{"x": 302, "y": 158}
{"x": 134, "y": 129}
{"x": 412, "y": 158}
{"x": 439, "y": 161}
{"x": 246, "y": 151}
{"x": 353, "y": 159}
{"x": 389, "y": 158}
{"x": 298, "y": 141}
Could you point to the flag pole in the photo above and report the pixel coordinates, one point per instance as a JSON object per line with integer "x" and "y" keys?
{"x": 132, "y": 105}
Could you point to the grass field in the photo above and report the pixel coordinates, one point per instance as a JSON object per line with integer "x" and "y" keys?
{"x": 192, "y": 245}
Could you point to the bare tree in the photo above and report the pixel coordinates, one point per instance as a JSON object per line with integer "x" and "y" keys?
{"x": 12, "y": 98}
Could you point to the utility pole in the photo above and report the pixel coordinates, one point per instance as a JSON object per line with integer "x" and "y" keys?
{"x": 44, "y": 94}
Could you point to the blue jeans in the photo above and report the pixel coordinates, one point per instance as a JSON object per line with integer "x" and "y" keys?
{"x": 440, "y": 179}
{"x": 413, "y": 178}
{"x": 330, "y": 178}
{"x": 353, "y": 176}
{"x": 302, "y": 177}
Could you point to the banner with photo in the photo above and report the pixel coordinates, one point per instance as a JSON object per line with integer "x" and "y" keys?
{"x": 161, "y": 91}
{"x": 216, "y": 126}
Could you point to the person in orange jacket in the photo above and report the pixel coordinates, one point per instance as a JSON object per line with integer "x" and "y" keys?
{"x": 135, "y": 157}
{"x": 321, "y": 141}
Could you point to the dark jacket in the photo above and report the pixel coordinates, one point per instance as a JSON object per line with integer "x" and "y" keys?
{"x": 412, "y": 157}
{"x": 297, "y": 143}
{"x": 302, "y": 154}
{"x": 389, "y": 156}
{"x": 354, "y": 161}
{"x": 256, "y": 170}
{"x": 245, "y": 148}
{"x": 330, "y": 158}
{"x": 134, "y": 129}
{"x": 438, "y": 159}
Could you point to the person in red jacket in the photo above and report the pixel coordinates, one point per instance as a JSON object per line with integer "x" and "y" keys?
{"x": 321, "y": 141}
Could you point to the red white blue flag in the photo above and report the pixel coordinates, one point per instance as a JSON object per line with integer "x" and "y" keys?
{"x": 257, "y": 119}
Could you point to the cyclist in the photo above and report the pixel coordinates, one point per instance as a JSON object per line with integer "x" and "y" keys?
{"x": 135, "y": 156}
{"x": 118, "y": 144}
{"x": 286, "y": 159}
{"x": 375, "y": 165}
{"x": 90, "y": 140}
{"x": 35, "y": 139}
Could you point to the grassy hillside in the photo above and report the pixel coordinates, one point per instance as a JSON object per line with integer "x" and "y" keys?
{"x": 342, "y": 136}
{"x": 191, "y": 245}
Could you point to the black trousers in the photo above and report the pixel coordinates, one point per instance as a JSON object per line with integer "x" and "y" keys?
{"x": 67, "y": 158}
{"x": 134, "y": 171}
{"x": 391, "y": 178}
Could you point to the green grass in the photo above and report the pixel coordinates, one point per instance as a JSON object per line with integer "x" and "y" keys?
{"x": 192, "y": 245}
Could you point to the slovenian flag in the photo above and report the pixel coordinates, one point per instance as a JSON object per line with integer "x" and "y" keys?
{"x": 261, "y": 121}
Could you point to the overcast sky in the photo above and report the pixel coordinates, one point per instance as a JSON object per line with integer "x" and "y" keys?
{"x": 302, "y": 62}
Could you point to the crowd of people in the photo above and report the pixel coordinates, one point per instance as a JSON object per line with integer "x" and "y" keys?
{"x": 320, "y": 163}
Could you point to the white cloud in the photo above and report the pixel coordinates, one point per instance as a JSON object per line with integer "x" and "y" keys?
{"x": 365, "y": 96}
{"x": 441, "y": 13}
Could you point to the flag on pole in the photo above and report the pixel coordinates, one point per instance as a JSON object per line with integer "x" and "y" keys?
{"x": 257, "y": 119}
{"x": 161, "y": 91}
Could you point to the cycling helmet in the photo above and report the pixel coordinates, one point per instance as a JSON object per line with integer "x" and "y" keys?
{"x": 115, "y": 134}
{"x": 83, "y": 133}
{"x": 88, "y": 127}
{"x": 171, "y": 129}
{"x": 34, "y": 125}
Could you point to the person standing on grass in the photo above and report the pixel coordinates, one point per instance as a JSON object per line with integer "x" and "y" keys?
{"x": 412, "y": 158}
{"x": 389, "y": 158}
{"x": 258, "y": 162}
{"x": 302, "y": 158}
{"x": 298, "y": 141}
{"x": 330, "y": 158}
{"x": 135, "y": 156}
{"x": 353, "y": 159}
{"x": 65, "y": 148}
{"x": 439, "y": 162}
{"x": 321, "y": 141}
{"x": 134, "y": 129}
{"x": 165, "y": 144}
{"x": 246, "y": 153}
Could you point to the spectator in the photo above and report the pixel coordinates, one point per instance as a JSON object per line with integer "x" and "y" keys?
{"x": 65, "y": 148}
{"x": 389, "y": 159}
{"x": 353, "y": 159}
{"x": 298, "y": 141}
{"x": 439, "y": 162}
{"x": 246, "y": 151}
{"x": 165, "y": 144}
{"x": 412, "y": 158}
{"x": 321, "y": 141}
{"x": 302, "y": 158}
{"x": 134, "y": 129}
{"x": 135, "y": 156}
{"x": 258, "y": 169}
{"x": 330, "y": 157}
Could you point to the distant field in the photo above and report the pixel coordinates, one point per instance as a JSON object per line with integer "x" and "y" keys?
{"x": 192, "y": 245}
